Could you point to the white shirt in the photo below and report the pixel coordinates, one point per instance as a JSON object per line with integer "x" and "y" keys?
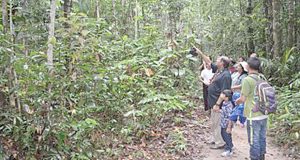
{"x": 207, "y": 75}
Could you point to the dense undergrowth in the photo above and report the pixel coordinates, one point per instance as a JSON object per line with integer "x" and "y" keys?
{"x": 285, "y": 124}
{"x": 107, "y": 90}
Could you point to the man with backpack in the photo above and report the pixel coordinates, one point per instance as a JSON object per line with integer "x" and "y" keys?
{"x": 259, "y": 99}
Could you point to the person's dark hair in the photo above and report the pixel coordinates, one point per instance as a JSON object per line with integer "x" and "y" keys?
{"x": 244, "y": 72}
{"x": 226, "y": 62}
{"x": 228, "y": 93}
{"x": 243, "y": 58}
{"x": 254, "y": 63}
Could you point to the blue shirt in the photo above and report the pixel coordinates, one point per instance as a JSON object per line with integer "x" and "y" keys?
{"x": 238, "y": 110}
{"x": 225, "y": 113}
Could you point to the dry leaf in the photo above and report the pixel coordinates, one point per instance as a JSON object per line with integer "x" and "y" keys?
{"x": 149, "y": 72}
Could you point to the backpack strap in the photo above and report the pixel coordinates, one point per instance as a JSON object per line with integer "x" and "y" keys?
{"x": 259, "y": 77}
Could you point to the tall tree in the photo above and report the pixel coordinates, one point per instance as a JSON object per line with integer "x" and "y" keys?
{"x": 97, "y": 10}
{"x": 251, "y": 47}
{"x": 51, "y": 38}
{"x": 291, "y": 23}
{"x": 276, "y": 27}
{"x": 67, "y": 7}
{"x": 268, "y": 27}
{"x": 4, "y": 16}
{"x": 115, "y": 20}
{"x": 136, "y": 20}
{"x": 297, "y": 24}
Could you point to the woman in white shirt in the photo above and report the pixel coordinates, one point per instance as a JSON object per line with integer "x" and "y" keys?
{"x": 206, "y": 75}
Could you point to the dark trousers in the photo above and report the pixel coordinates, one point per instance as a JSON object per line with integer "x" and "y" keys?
{"x": 228, "y": 139}
{"x": 205, "y": 94}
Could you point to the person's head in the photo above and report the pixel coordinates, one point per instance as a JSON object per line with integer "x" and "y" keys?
{"x": 236, "y": 66}
{"x": 242, "y": 59}
{"x": 253, "y": 64}
{"x": 227, "y": 95}
{"x": 223, "y": 62}
{"x": 242, "y": 67}
{"x": 253, "y": 55}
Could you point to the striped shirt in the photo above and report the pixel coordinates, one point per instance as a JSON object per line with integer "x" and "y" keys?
{"x": 225, "y": 113}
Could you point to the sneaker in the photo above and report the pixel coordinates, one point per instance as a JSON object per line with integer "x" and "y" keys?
{"x": 226, "y": 154}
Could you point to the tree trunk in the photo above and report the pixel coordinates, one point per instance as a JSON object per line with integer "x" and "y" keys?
{"x": 291, "y": 25}
{"x": 12, "y": 97}
{"x": 12, "y": 75}
{"x": 67, "y": 8}
{"x": 114, "y": 16}
{"x": 97, "y": 10}
{"x": 251, "y": 47}
{"x": 268, "y": 27}
{"x": 4, "y": 16}
{"x": 136, "y": 20}
{"x": 276, "y": 28}
{"x": 51, "y": 38}
{"x": 297, "y": 25}
{"x": 124, "y": 17}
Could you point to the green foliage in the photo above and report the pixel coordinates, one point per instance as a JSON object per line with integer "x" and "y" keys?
{"x": 104, "y": 85}
{"x": 285, "y": 74}
{"x": 179, "y": 142}
{"x": 107, "y": 87}
{"x": 286, "y": 125}
{"x": 282, "y": 72}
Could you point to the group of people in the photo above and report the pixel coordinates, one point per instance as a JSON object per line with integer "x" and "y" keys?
{"x": 228, "y": 89}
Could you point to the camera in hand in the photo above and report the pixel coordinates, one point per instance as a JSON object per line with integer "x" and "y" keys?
{"x": 193, "y": 52}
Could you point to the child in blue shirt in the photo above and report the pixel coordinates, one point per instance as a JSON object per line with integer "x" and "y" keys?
{"x": 226, "y": 111}
{"x": 237, "y": 113}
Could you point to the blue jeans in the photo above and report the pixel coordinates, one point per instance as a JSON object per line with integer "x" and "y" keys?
{"x": 257, "y": 138}
{"x": 228, "y": 139}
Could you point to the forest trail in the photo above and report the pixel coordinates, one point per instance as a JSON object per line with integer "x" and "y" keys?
{"x": 186, "y": 137}
{"x": 241, "y": 149}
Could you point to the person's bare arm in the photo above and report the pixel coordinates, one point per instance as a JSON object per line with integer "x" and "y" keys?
{"x": 204, "y": 57}
{"x": 202, "y": 66}
{"x": 217, "y": 106}
{"x": 236, "y": 87}
{"x": 241, "y": 100}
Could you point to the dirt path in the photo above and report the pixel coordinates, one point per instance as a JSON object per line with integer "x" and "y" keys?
{"x": 242, "y": 148}
{"x": 183, "y": 136}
